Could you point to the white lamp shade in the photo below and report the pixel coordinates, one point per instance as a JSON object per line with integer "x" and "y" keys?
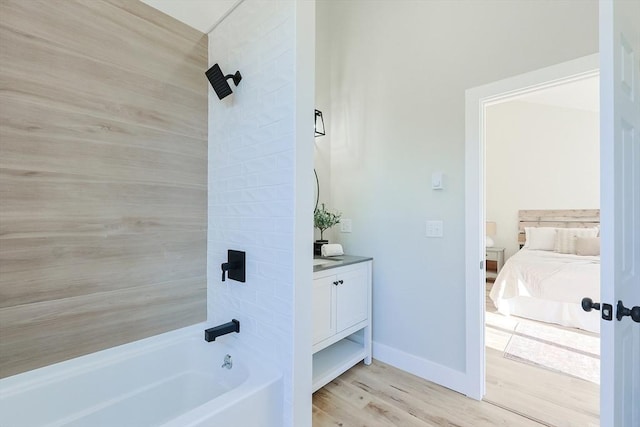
{"x": 490, "y": 230}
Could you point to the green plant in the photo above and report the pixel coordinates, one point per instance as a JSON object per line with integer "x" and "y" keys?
{"x": 324, "y": 219}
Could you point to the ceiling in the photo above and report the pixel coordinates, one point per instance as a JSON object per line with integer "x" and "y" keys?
{"x": 582, "y": 94}
{"x": 202, "y": 15}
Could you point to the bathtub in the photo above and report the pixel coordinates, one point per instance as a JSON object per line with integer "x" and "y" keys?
{"x": 171, "y": 380}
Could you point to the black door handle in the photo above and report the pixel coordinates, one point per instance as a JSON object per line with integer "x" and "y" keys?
{"x": 622, "y": 311}
{"x": 588, "y": 304}
{"x": 607, "y": 310}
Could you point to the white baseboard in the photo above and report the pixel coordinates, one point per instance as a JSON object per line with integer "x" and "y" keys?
{"x": 430, "y": 371}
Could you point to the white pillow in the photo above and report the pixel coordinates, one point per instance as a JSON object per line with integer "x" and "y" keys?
{"x": 540, "y": 238}
{"x": 566, "y": 238}
{"x": 588, "y": 246}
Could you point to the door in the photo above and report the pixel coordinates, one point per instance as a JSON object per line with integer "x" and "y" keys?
{"x": 620, "y": 208}
{"x": 323, "y": 301}
{"x": 352, "y": 298}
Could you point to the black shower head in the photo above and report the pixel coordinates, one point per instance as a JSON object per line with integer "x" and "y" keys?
{"x": 219, "y": 80}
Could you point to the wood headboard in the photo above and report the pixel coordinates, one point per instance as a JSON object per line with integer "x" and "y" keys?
{"x": 565, "y": 218}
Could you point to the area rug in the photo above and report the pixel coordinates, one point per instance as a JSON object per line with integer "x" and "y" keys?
{"x": 559, "y": 350}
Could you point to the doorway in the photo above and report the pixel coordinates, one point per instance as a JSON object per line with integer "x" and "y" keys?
{"x": 541, "y": 169}
{"x": 478, "y": 100}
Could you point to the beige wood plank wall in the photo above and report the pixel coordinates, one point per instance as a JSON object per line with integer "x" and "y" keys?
{"x": 103, "y": 177}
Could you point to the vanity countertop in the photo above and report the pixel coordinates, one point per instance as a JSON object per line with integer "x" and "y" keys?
{"x": 336, "y": 261}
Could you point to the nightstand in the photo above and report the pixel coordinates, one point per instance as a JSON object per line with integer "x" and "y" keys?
{"x": 494, "y": 261}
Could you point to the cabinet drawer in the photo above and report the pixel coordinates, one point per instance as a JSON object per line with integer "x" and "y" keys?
{"x": 491, "y": 256}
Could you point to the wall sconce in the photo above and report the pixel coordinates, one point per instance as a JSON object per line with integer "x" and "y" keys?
{"x": 490, "y": 230}
{"x": 319, "y": 131}
{"x": 319, "y": 124}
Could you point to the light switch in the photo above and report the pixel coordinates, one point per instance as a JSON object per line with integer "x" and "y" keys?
{"x": 436, "y": 181}
{"x": 434, "y": 228}
{"x": 345, "y": 225}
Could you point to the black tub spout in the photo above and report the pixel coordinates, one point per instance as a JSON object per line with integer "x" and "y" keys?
{"x": 212, "y": 333}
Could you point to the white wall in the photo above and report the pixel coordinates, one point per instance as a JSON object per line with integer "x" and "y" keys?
{"x": 398, "y": 71}
{"x": 322, "y": 158}
{"x": 256, "y": 152}
{"x": 539, "y": 157}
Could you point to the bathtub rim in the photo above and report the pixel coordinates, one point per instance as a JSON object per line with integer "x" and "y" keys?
{"x": 258, "y": 371}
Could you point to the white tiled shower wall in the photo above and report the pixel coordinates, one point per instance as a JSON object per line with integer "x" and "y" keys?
{"x": 251, "y": 180}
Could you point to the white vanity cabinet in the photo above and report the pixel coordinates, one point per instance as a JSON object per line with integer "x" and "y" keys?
{"x": 341, "y": 320}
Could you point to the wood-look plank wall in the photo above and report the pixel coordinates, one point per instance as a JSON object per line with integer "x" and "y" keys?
{"x": 103, "y": 176}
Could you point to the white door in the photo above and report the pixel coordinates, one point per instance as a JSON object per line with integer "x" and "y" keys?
{"x": 620, "y": 208}
{"x": 352, "y": 298}
{"x": 323, "y": 305}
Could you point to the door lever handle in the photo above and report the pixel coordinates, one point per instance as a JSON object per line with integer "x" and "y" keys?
{"x": 622, "y": 311}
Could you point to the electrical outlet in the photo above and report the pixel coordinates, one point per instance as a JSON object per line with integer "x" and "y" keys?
{"x": 434, "y": 228}
{"x": 345, "y": 225}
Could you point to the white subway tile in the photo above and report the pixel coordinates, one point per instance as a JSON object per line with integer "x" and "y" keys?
{"x": 251, "y": 179}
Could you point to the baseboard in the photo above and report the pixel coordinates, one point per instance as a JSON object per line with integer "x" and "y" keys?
{"x": 430, "y": 371}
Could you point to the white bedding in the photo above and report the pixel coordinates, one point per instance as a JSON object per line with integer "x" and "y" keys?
{"x": 549, "y": 286}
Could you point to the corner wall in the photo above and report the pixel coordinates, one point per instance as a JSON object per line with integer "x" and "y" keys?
{"x": 322, "y": 151}
{"x": 258, "y": 201}
{"x": 399, "y": 72}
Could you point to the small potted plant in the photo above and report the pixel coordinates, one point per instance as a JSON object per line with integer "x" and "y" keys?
{"x": 323, "y": 220}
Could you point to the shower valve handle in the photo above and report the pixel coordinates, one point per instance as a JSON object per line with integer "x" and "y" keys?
{"x": 235, "y": 267}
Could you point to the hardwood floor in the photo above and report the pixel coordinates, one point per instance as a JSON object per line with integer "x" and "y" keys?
{"x": 552, "y": 398}
{"x": 381, "y": 395}
{"x": 517, "y": 395}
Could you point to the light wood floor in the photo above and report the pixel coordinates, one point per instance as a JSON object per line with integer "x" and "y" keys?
{"x": 381, "y": 395}
{"x": 552, "y": 398}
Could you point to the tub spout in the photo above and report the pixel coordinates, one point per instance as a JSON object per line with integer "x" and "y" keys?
{"x": 212, "y": 333}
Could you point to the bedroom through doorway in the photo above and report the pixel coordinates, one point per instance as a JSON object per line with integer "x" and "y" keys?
{"x": 542, "y": 198}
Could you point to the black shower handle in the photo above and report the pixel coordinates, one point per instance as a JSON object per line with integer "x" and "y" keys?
{"x": 235, "y": 266}
{"x": 225, "y": 267}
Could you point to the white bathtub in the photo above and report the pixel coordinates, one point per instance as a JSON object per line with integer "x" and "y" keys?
{"x": 170, "y": 380}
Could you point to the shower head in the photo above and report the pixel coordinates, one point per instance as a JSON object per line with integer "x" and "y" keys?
{"x": 219, "y": 81}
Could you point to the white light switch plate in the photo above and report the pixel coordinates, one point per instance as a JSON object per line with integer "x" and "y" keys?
{"x": 436, "y": 181}
{"x": 345, "y": 225}
{"x": 435, "y": 228}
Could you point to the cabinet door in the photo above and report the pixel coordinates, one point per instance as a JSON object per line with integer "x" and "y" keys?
{"x": 323, "y": 304}
{"x": 352, "y": 298}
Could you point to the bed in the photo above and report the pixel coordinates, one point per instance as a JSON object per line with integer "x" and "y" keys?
{"x": 557, "y": 266}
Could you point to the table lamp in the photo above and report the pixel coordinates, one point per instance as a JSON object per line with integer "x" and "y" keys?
{"x": 490, "y": 230}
